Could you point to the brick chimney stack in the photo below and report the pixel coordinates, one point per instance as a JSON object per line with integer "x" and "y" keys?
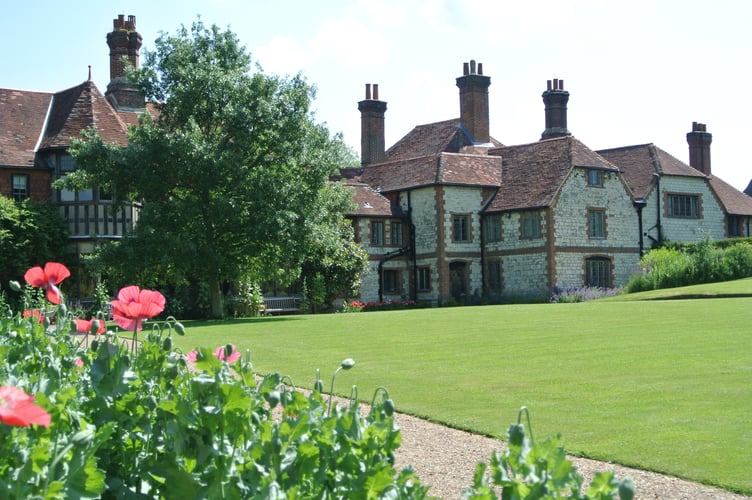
{"x": 372, "y": 142}
{"x": 699, "y": 147}
{"x": 124, "y": 41}
{"x": 555, "y": 99}
{"x": 474, "y": 101}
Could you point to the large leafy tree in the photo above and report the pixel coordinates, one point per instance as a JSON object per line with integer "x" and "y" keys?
{"x": 30, "y": 235}
{"x": 228, "y": 171}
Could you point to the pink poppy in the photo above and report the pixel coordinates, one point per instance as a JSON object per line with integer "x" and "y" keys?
{"x": 18, "y": 408}
{"x": 192, "y": 356}
{"x": 48, "y": 279}
{"x": 34, "y": 314}
{"x": 220, "y": 354}
{"x": 79, "y": 362}
{"x": 134, "y": 305}
{"x": 84, "y": 326}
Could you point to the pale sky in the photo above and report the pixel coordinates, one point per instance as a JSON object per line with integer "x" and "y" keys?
{"x": 638, "y": 71}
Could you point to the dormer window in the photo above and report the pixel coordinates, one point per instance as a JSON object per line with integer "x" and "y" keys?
{"x": 594, "y": 177}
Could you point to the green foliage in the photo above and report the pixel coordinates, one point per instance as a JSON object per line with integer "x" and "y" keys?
{"x": 527, "y": 470}
{"x": 138, "y": 423}
{"x": 248, "y": 301}
{"x": 29, "y": 233}
{"x": 702, "y": 262}
{"x": 583, "y": 369}
{"x": 229, "y": 172}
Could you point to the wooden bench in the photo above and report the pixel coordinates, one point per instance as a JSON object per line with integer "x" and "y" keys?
{"x": 282, "y": 305}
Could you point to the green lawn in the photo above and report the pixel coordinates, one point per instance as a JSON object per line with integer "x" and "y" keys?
{"x": 664, "y": 385}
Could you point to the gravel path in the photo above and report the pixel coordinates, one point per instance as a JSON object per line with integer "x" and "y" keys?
{"x": 445, "y": 459}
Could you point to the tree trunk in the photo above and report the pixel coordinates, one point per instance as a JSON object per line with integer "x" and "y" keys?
{"x": 215, "y": 298}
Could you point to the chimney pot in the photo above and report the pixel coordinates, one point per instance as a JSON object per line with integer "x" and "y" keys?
{"x": 472, "y": 67}
{"x": 548, "y": 84}
{"x": 368, "y": 91}
{"x": 465, "y": 68}
{"x": 375, "y": 91}
{"x": 480, "y": 68}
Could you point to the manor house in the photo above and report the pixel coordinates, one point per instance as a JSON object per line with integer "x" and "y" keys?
{"x": 451, "y": 214}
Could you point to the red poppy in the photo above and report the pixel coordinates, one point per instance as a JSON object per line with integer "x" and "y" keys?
{"x": 34, "y": 314}
{"x": 220, "y": 354}
{"x": 84, "y": 326}
{"x": 18, "y": 408}
{"x": 134, "y": 305}
{"x": 48, "y": 279}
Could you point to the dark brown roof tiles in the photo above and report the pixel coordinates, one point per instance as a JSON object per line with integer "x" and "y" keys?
{"x": 369, "y": 202}
{"x": 22, "y": 118}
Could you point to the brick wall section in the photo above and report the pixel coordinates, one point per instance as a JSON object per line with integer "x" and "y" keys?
{"x": 39, "y": 183}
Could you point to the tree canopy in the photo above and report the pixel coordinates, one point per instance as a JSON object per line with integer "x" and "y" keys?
{"x": 229, "y": 170}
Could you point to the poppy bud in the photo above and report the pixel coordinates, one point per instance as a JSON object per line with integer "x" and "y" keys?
{"x": 389, "y": 407}
{"x": 94, "y": 326}
{"x": 167, "y": 344}
{"x": 273, "y": 397}
{"x": 15, "y": 286}
{"x": 228, "y": 350}
{"x": 94, "y": 345}
{"x": 179, "y": 328}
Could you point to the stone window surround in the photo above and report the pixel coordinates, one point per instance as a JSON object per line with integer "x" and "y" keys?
{"x": 589, "y": 227}
{"x": 537, "y": 215}
{"x": 667, "y": 196}
{"x": 598, "y": 258}
{"x": 468, "y": 226}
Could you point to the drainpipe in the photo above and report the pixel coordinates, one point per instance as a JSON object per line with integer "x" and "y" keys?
{"x": 414, "y": 290}
{"x": 639, "y": 204}
{"x": 658, "y": 208}
{"x": 482, "y": 254}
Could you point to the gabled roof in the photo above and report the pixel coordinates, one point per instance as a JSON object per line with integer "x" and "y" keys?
{"x": 443, "y": 168}
{"x": 638, "y": 164}
{"x": 78, "y": 108}
{"x": 22, "y": 115}
{"x": 34, "y": 121}
{"x": 368, "y": 201}
{"x": 533, "y": 173}
{"x": 448, "y": 136}
{"x": 734, "y": 201}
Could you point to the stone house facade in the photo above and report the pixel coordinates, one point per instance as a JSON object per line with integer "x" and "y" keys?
{"x": 462, "y": 216}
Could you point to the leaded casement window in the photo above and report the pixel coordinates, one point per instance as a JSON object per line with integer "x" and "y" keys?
{"x": 494, "y": 276}
{"x": 20, "y": 187}
{"x": 594, "y": 177}
{"x": 685, "y": 206}
{"x": 531, "y": 225}
{"x": 377, "y": 233}
{"x": 391, "y": 281}
{"x": 596, "y": 223}
{"x": 424, "y": 279}
{"x": 598, "y": 272}
{"x": 460, "y": 228}
{"x": 397, "y": 232}
{"x": 493, "y": 228}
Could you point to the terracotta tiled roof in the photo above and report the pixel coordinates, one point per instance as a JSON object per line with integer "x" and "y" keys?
{"x": 22, "y": 117}
{"x": 442, "y": 168}
{"x": 368, "y": 201}
{"x": 639, "y": 163}
{"x": 734, "y": 201}
{"x": 77, "y": 108}
{"x": 533, "y": 173}
{"x": 448, "y": 136}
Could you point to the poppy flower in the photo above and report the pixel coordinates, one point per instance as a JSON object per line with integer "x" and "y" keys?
{"x": 192, "y": 356}
{"x": 34, "y": 314}
{"x": 48, "y": 279}
{"x": 221, "y": 354}
{"x": 18, "y": 408}
{"x": 134, "y": 305}
{"x": 84, "y": 326}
